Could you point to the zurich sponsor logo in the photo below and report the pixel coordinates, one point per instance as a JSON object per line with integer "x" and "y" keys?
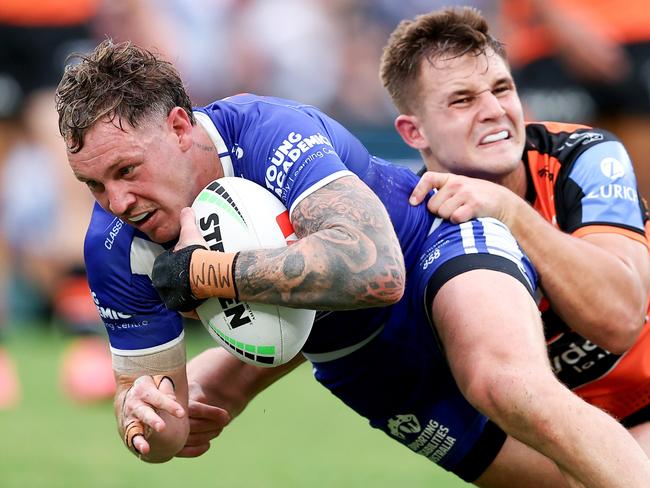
{"x": 612, "y": 168}
{"x": 616, "y": 192}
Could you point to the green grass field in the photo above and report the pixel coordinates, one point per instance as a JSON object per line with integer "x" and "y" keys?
{"x": 296, "y": 434}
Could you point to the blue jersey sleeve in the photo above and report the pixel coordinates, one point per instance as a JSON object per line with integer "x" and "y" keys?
{"x": 602, "y": 189}
{"x": 117, "y": 261}
{"x": 452, "y": 249}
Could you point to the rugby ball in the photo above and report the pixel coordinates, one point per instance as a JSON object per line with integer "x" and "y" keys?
{"x": 234, "y": 214}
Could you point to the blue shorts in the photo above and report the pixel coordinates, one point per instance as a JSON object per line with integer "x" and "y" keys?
{"x": 400, "y": 381}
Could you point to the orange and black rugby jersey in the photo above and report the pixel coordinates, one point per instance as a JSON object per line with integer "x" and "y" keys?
{"x": 582, "y": 180}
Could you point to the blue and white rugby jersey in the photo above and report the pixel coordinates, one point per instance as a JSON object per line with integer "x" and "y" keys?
{"x": 289, "y": 148}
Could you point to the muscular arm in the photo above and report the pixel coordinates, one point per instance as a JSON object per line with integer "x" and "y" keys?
{"x": 598, "y": 284}
{"x": 347, "y": 256}
{"x": 492, "y": 335}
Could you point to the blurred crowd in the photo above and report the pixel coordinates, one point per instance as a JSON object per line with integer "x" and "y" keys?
{"x": 322, "y": 52}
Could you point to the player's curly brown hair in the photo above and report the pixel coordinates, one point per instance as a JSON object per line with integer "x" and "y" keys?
{"x": 122, "y": 82}
{"x": 442, "y": 34}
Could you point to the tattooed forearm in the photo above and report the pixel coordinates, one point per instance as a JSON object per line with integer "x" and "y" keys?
{"x": 348, "y": 255}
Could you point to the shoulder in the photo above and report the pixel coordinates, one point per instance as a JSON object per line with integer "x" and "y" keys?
{"x": 115, "y": 253}
{"x": 256, "y": 106}
{"x": 564, "y": 141}
{"x": 106, "y": 236}
{"x": 453, "y": 249}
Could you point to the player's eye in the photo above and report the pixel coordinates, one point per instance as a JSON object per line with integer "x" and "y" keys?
{"x": 93, "y": 186}
{"x": 461, "y": 101}
{"x": 126, "y": 170}
{"x": 502, "y": 89}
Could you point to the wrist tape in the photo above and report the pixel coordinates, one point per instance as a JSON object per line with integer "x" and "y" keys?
{"x": 212, "y": 274}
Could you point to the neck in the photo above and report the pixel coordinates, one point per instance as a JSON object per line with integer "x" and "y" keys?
{"x": 516, "y": 181}
{"x": 205, "y": 153}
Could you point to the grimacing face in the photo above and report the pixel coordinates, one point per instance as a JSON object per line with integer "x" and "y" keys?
{"x": 470, "y": 118}
{"x": 144, "y": 175}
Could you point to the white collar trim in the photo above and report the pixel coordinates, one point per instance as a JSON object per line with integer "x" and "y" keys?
{"x": 224, "y": 154}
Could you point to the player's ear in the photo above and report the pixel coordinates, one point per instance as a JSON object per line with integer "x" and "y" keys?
{"x": 408, "y": 126}
{"x": 180, "y": 124}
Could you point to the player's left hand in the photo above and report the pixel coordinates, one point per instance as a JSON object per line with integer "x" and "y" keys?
{"x": 141, "y": 405}
{"x": 171, "y": 276}
{"x": 460, "y": 198}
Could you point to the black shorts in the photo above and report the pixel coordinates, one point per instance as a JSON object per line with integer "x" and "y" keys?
{"x": 399, "y": 380}
{"x": 549, "y": 92}
{"x": 33, "y": 58}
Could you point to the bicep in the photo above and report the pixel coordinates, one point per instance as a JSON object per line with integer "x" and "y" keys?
{"x": 485, "y": 320}
{"x": 633, "y": 253}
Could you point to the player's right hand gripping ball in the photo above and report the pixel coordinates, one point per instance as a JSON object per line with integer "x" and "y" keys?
{"x": 171, "y": 278}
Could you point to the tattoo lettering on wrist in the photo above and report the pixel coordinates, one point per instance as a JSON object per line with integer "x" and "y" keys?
{"x": 211, "y": 274}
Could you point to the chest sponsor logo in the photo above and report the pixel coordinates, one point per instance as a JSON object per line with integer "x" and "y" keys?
{"x": 107, "y": 312}
{"x": 116, "y": 320}
{"x": 286, "y": 154}
{"x": 431, "y": 441}
{"x": 577, "y": 361}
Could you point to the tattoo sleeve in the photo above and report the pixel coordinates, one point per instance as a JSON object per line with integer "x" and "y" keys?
{"x": 348, "y": 255}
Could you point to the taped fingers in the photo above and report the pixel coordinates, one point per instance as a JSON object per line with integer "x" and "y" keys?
{"x": 132, "y": 430}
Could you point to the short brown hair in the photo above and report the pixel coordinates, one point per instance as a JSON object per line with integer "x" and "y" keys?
{"x": 450, "y": 32}
{"x": 119, "y": 81}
